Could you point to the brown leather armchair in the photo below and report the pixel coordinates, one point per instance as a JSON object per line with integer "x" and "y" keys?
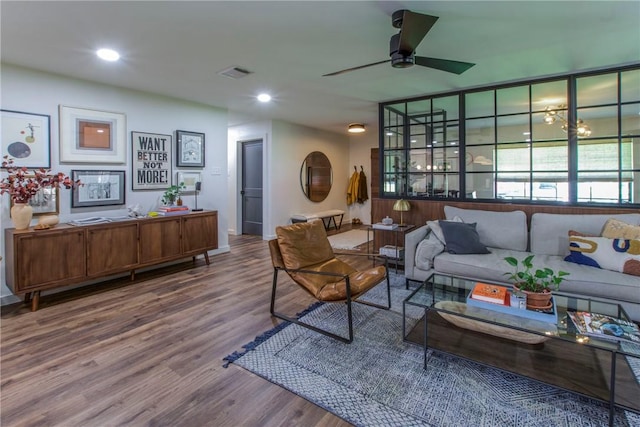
{"x": 305, "y": 253}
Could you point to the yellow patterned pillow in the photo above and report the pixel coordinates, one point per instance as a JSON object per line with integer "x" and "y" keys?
{"x": 616, "y": 229}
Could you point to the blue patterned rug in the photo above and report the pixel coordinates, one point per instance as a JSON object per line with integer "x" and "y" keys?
{"x": 379, "y": 380}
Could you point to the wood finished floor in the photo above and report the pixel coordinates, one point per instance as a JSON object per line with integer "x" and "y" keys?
{"x": 149, "y": 353}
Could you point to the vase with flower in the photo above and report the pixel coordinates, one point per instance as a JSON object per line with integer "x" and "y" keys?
{"x": 22, "y": 184}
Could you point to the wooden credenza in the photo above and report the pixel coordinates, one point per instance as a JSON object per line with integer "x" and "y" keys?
{"x": 38, "y": 260}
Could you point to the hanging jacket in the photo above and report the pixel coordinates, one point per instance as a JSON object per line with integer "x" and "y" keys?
{"x": 362, "y": 188}
{"x": 352, "y": 189}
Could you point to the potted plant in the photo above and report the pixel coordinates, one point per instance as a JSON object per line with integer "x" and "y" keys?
{"x": 22, "y": 185}
{"x": 536, "y": 284}
{"x": 172, "y": 194}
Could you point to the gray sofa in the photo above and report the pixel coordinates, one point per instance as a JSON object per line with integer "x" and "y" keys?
{"x": 506, "y": 234}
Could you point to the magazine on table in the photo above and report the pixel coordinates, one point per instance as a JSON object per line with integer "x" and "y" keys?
{"x": 603, "y": 326}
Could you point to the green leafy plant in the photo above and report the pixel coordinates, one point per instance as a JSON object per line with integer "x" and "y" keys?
{"x": 173, "y": 193}
{"x": 534, "y": 281}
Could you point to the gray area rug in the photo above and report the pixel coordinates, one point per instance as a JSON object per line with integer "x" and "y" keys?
{"x": 379, "y": 380}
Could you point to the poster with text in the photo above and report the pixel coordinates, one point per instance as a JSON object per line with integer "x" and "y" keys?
{"x": 151, "y": 160}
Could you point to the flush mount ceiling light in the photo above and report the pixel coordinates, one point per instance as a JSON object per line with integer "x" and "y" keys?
{"x": 356, "y": 128}
{"x": 264, "y": 97}
{"x": 108, "y": 55}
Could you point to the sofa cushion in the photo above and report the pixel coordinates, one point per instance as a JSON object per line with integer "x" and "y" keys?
{"x": 616, "y": 229}
{"x": 462, "y": 238}
{"x": 609, "y": 254}
{"x": 506, "y": 230}
{"x": 426, "y": 250}
{"x": 437, "y": 230}
{"x": 549, "y": 232}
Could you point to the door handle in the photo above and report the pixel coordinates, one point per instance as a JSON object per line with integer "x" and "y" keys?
{"x": 242, "y": 192}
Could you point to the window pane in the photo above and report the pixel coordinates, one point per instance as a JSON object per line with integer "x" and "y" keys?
{"x": 419, "y": 160}
{"x": 514, "y": 186}
{"x": 419, "y": 136}
{"x": 480, "y": 131}
{"x": 393, "y": 115}
{"x": 513, "y": 128}
{"x": 480, "y": 158}
{"x": 420, "y": 184}
{"x": 513, "y": 100}
{"x": 546, "y": 128}
{"x": 630, "y": 86}
{"x": 479, "y": 104}
{"x": 601, "y": 121}
{"x": 598, "y": 155}
{"x": 598, "y": 187}
{"x": 449, "y": 105}
{"x": 446, "y": 185}
{"x": 422, "y": 106}
{"x": 479, "y": 185}
{"x": 631, "y": 119}
{"x": 550, "y": 93}
{"x": 550, "y": 156}
{"x": 513, "y": 157}
{"x": 553, "y": 187}
{"x": 597, "y": 90}
{"x": 393, "y": 137}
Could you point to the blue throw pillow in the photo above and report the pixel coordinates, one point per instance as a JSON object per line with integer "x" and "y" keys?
{"x": 462, "y": 238}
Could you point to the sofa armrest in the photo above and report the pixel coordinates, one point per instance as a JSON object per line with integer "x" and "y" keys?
{"x": 411, "y": 240}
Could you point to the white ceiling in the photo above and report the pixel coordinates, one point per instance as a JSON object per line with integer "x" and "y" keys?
{"x": 175, "y": 48}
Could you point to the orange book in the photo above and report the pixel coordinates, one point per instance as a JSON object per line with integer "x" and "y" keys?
{"x": 490, "y": 293}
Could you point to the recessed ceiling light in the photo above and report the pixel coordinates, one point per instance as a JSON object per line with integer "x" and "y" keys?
{"x": 264, "y": 97}
{"x": 108, "y": 54}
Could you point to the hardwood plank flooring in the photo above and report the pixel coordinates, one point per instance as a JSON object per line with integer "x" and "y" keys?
{"x": 149, "y": 352}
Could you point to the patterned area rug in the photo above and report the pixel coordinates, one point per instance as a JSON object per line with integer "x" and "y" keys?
{"x": 378, "y": 380}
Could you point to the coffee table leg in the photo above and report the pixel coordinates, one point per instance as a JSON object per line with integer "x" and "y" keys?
{"x": 612, "y": 389}
{"x": 426, "y": 311}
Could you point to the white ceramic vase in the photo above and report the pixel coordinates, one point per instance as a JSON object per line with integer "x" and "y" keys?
{"x": 21, "y": 214}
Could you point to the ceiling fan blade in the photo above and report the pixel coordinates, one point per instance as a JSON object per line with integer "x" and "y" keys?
{"x": 448, "y": 65}
{"x": 355, "y": 68}
{"x": 414, "y": 27}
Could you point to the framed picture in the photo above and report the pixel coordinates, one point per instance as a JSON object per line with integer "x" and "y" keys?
{"x": 151, "y": 155}
{"x": 99, "y": 188}
{"x": 26, "y": 138}
{"x": 189, "y": 179}
{"x": 92, "y": 136}
{"x": 45, "y": 201}
{"x": 190, "y": 149}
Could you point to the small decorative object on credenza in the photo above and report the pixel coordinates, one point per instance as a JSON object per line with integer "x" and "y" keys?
{"x": 381, "y": 226}
{"x": 198, "y": 187}
{"x": 537, "y": 285}
{"x": 172, "y": 210}
{"x": 172, "y": 194}
{"x": 22, "y": 185}
{"x": 401, "y": 206}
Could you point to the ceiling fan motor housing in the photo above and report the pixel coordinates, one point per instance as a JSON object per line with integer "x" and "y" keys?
{"x": 399, "y": 59}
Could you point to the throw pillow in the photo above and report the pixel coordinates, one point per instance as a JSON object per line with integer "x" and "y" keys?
{"x": 462, "y": 238}
{"x": 616, "y": 229}
{"x": 580, "y": 234}
{"x": 621, "y": 255}
{"x": 437, "y": 230}
{"x": 427, "y": 250}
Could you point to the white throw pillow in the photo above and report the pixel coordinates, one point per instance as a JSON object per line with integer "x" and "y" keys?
{"x": 437, "y": 230}
{"x": 427, "y": 250}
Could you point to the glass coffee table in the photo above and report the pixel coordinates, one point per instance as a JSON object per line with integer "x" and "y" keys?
{"x": 595, "y": 367}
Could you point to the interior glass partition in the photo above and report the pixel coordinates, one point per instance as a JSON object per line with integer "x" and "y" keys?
{"x": 571, "y": 139}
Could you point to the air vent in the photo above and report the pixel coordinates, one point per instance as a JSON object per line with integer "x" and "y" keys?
{"x": 234, "y": 73}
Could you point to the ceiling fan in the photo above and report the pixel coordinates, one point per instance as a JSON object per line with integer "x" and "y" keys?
{"x": 413, "y": 27}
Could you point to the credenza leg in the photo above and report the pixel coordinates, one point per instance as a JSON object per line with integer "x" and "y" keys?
{"x": 27, "y": 298}
{"x": 206, "y": 257}
{"x": 35, "y": 301}
{"x": 133, "y": 275}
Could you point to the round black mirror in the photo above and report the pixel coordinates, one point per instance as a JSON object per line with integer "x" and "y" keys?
{"x": 316, "y": 176}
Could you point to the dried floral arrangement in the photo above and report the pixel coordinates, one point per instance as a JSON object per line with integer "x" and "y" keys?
{"x": 22, "y": 184}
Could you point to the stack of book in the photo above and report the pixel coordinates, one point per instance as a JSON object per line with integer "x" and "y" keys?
{"x": 381, "y": 226}
{"x": 173, "y": 210}
{"x": 490, "y": 293}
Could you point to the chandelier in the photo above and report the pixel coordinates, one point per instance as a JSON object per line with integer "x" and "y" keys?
{"x": 553, "y": 114}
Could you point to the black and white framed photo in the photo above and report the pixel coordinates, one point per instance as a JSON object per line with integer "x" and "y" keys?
{"x": 99, "y": 188}
{"x": 26, "y": 138}
{"x": 45, "y": 201}
{"x": 190, "y": 149}
{"x": 152, "y": 157}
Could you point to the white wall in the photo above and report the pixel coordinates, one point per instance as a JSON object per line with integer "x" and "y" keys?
{"x": 285, "y": 147}
{"x": 32, "y": 91}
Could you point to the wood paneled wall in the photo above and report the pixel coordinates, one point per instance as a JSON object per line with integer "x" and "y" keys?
{"x": 423, "y": 210}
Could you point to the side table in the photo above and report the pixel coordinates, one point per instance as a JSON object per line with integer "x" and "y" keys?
{"x": 394, "y": 236}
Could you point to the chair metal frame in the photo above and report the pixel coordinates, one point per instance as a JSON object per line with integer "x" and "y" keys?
{"x": 348, "y": 300}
